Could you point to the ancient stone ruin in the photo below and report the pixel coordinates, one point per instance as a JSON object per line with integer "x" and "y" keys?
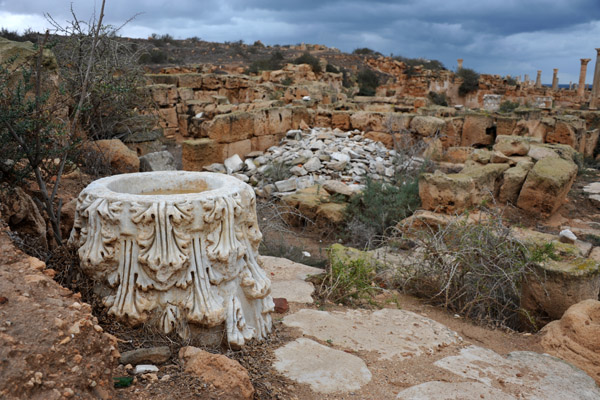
{"x": 176, "y": 249}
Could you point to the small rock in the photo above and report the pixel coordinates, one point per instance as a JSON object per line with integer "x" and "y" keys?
{"x": 298, "y": 171}
{"x": 215, "y": 167}
{"x": 233, "y": 164}
{"x": 566, "y": 236}
{"x": 286, "y": 185}
{"x": 155, "y": 355}
{"x": 312, "y": 165}
{"x": 281, "y": 305}
{"x": 157, "y": 161}
{"x": 144, "y": 369}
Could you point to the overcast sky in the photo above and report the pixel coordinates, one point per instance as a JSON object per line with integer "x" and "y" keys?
{"x": 506, "y": 37}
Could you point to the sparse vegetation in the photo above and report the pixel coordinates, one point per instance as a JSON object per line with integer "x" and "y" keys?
{"x": 433, "y": 65}
{"x": 332, "y": 68}
{"x": 365, "y": 51}
{"x": 309, "y": 59}
{"x": 367, "y": 82}
{"x": 470, "y": 81}
{"x": 475, "y": 269}
{"x": 508, "y": 106}
{"x": 439, "y": 99}
{"x": 269, "y": 64}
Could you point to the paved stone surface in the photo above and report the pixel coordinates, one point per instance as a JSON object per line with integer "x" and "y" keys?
{"x": 288, "y": 279}
{"x": 531, "y": 375}
{"x": 394, "y": 334}
{"x": 452, "y": 391}
{"x": 326, "y": 370}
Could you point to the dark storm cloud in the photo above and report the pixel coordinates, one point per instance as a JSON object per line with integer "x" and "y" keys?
{"x": 494, "y": 36}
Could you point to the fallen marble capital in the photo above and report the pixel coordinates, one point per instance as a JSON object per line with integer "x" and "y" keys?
{"x": 177, "y": 249}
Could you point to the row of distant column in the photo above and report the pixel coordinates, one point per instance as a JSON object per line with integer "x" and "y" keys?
{"x": 582, "y": 73}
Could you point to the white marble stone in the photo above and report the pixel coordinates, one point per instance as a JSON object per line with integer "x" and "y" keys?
{"x": 176, "y": 249}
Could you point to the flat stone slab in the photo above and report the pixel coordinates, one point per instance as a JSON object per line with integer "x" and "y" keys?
{"x": 452, "y": 391}
{"x": 528, "y": 374}
{"x": 288, "y": 279}
{"x": 394, "y": 334}
{"x": 326, "y": 370}
{"x": 592, "y": 188}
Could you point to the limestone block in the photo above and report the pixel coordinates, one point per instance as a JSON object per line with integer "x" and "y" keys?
{"x": 532, "y": 128}
{"x": 157, "y": 161}
{"x": 512, "y": 182}
{"x": 557, "y": 285}
{"x": 323, "y": 120}
{"x": 191, "y": 80}
{"x": 505, "y": 125}
{"x": 168, "y": 117}
{"x": 565, "y": 132}
{"x": 165, "y": 79}
{"x": 512, "y": 145}
{"x": 538, "y": 151}
{"x": 368, "y": 121}
{"x": 301, "y": 113}
{"x": 452, "y": 132}
{"x": 427, "y": 126}
{"x": 574, "y": 338}
{"x": 197, "y": 153}
{"x": 487, "y": 180}
{"x": 261, "y": 143}
{"x": 547, "y": 185}
{"x": 478, "y": 129}
{"x": 182, "y": 124}
{"x": 116, "y": 153}
{"x": 226, "y": 375}
{"x": 211, "y": 82}
{"x": 232, "y": 127}
{"x": 382, "y": 137}
{"x": 458, "y": 155}
{"x": 177, "y": 250}
{"x": 306, "y": 201}
{"x": 241, "y": 148}
{"x": 588, "y": 142}
{"x": 340, "y": 120}
{"x": 185, "y": 94}
{"x": 163, "y": 95}
{"x": 445, "y": 193}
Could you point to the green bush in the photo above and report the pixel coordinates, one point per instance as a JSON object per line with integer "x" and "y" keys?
{"x": 307, "y": 58}
{"x": 470, "y": 81}
{"x": 332, "y": 68}
{"x": 367, "y": 82}
{"x": 380, "y": 206}
{"x": 365, "y": 51}
{"x": 269, "y": 64}
{"x": 439, "y": 99}
{"x": 508, "y": 106}
{"x": 154, "y": 56}
{"x": 433, "y": 65}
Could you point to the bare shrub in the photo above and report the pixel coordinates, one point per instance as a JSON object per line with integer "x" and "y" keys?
{"x": 475, "y": 269}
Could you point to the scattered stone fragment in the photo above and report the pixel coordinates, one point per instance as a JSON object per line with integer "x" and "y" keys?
{"x": 144, "y": 369}
{"x": 223, "y": 373}
{"x": 154, "y": 355}
{"x": 566, "y": 236}
{"x": 233, "y": 164}
{"x": 281, "y": 305}
{"x": 157, "y": 161}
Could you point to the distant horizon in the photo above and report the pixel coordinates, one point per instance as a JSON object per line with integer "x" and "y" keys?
{"x": 495, "y": 37}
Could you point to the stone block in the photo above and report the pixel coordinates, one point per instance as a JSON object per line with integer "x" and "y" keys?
{"x": 478, "y": 130}
{"x": 512, "y": 182}
{"x": 157, "y": 161}
{"x": 228, "y": 128}
{"x": 168, "y": 117}
{"x": 197, "y": 153}
{"x": 512, "y": 145}
{"x": 240, "y": 148}
{"x": 505, "y": 125}
{"x": 163, "y": 95}
{"x": 261, "y": 143}
{"x": 340, "y": 120}
{"x": 547, "y": 185}
{"x": 191, "y": 80}
{"x": 427, "y": 126}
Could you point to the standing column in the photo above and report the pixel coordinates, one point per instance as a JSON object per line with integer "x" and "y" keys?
{"x": 460, "y": 62}
{"x": 538, "y": 80}
{"x": 526, "y": 80}
{"x": 582, "y": 73}
{"x": 555, "y": 79}
{"x": 596, "y": 83}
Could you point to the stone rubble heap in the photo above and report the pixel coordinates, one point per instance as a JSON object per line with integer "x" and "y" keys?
{"x": 321, "y": 155}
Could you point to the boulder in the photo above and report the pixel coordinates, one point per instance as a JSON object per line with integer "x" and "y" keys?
{"x": 427, "y": 126}
{"x": 557, "y": 285}
{"x": 121, "y": 159}
{"x": 512, "y": 182}
{"x": 512, "y": 145}
{"x": 478, "y": 129}
{"x": 574, "y": 337}
{"x": 547, "y": 185}
{"x": 225, "y": 374}
{"x": 157, "y": 161}
{"x": 197, "y": 153}
{"x": 22, "y": 215}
